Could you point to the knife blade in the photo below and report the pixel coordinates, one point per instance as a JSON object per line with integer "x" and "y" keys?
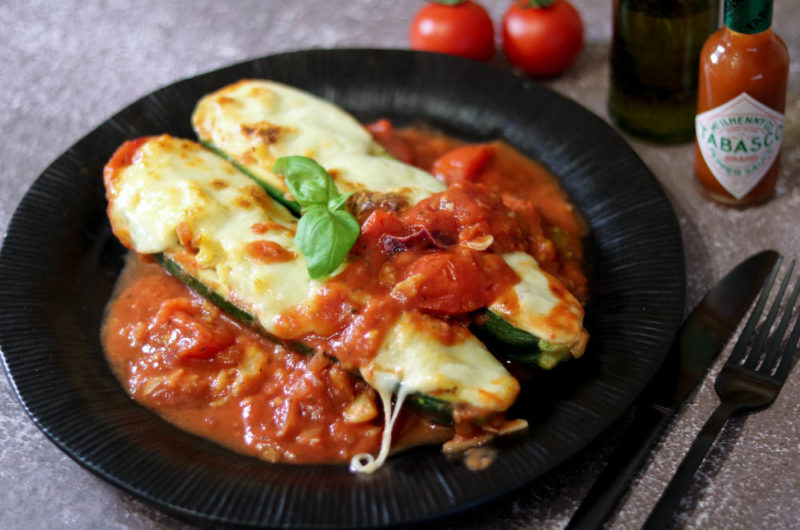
{"x": 698, "y": 342}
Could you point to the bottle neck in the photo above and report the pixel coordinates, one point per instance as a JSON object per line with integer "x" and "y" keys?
{"x": 748, "y": 16}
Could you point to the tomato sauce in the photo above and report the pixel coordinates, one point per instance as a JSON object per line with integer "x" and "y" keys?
{"x": 418, "y": 146}
{"x": 181, "y": 356}
{"x": 429, "y": 258}
{"x": 554, "y": 227}
{"x": 178, "y": 354}
{"x": 269, "y": 252}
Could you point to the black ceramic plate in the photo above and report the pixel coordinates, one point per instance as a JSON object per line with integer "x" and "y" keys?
{"x": 59, "y": 262}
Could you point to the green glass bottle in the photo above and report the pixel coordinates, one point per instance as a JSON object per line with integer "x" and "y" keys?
{"x": 655, "y": 53}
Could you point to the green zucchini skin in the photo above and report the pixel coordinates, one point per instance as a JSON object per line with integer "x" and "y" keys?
{"x": 273, "y": 192}
{"x": 436, "y": 410}
{"x": 517, "y": 345}
{"x": 214, "y": 297}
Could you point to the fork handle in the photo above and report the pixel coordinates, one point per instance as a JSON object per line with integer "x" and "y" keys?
{"x": 628, "y": 458}
{"x": 662, "y": 514}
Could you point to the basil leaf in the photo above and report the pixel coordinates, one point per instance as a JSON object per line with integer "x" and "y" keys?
{"x": 308, "y": 181}
{"x": 326, "y": 231}
{"x": 339, "y": 202}
{"x": 325, "y": 237}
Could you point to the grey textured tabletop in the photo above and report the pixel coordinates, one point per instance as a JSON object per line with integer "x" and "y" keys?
{"x": 68, "y": 65}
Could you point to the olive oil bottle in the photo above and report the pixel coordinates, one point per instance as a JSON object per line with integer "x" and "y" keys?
{"x": 655, "y": 53}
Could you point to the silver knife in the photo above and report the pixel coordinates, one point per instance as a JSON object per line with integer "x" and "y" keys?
{"x": 695, "y": 347}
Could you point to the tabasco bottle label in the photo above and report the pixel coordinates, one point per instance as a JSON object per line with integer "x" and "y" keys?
{"x": 740, "y": 141}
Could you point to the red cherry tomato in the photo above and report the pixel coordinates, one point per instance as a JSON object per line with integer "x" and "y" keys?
{"x": 463, "y": 29}
{"x": 542, "y": 41}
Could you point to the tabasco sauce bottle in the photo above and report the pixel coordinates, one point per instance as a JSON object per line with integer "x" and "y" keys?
{"x": 744, "y": 69}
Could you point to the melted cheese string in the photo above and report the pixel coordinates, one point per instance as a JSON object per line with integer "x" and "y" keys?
{"x": 365, "y": 462}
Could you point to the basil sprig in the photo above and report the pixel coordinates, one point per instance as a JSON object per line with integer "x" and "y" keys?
{"x": 326, "y": 230}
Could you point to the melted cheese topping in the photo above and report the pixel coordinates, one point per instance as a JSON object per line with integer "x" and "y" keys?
{"x": 256, "y": 122}
{"x": 358, "y": 172}
{"x": 365, "y": 462}
{"x": 457, "y": 373}
{"x": 542, "y": 306}
{"x": 177, "y": 185}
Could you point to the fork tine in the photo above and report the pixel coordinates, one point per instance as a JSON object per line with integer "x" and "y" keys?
{"x": 775, "y": 343}
{"x": 789, "y": 350}
{"x": 766, "y": 327}
{"x": 744, "y": 339}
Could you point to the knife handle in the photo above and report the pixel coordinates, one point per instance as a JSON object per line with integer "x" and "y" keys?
{"x": 631, "y": 453}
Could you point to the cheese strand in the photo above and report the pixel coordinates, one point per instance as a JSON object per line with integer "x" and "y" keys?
{"x": 365, "y": 462}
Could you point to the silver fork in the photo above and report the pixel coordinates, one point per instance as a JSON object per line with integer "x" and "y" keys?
{"x": 746, "y": 382}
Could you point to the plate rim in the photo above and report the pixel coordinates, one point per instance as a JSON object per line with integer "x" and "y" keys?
{"x": 187, "y": 513}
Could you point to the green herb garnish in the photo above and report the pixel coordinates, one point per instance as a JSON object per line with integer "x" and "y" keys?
{"x": 326, "y": 230}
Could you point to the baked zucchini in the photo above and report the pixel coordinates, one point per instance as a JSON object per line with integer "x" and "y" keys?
{"x": 252, "y": 123}
{"x": 255, "y": 122}
{"x": 538, "y": 319}
{"x": 179, "y": 201}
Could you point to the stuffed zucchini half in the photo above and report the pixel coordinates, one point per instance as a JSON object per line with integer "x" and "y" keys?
{"x": 219, "y": 232}
{"x": 254, "y": 122}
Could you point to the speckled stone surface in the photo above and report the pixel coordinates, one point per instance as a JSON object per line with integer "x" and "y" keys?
{"x": 68, "y": 65}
